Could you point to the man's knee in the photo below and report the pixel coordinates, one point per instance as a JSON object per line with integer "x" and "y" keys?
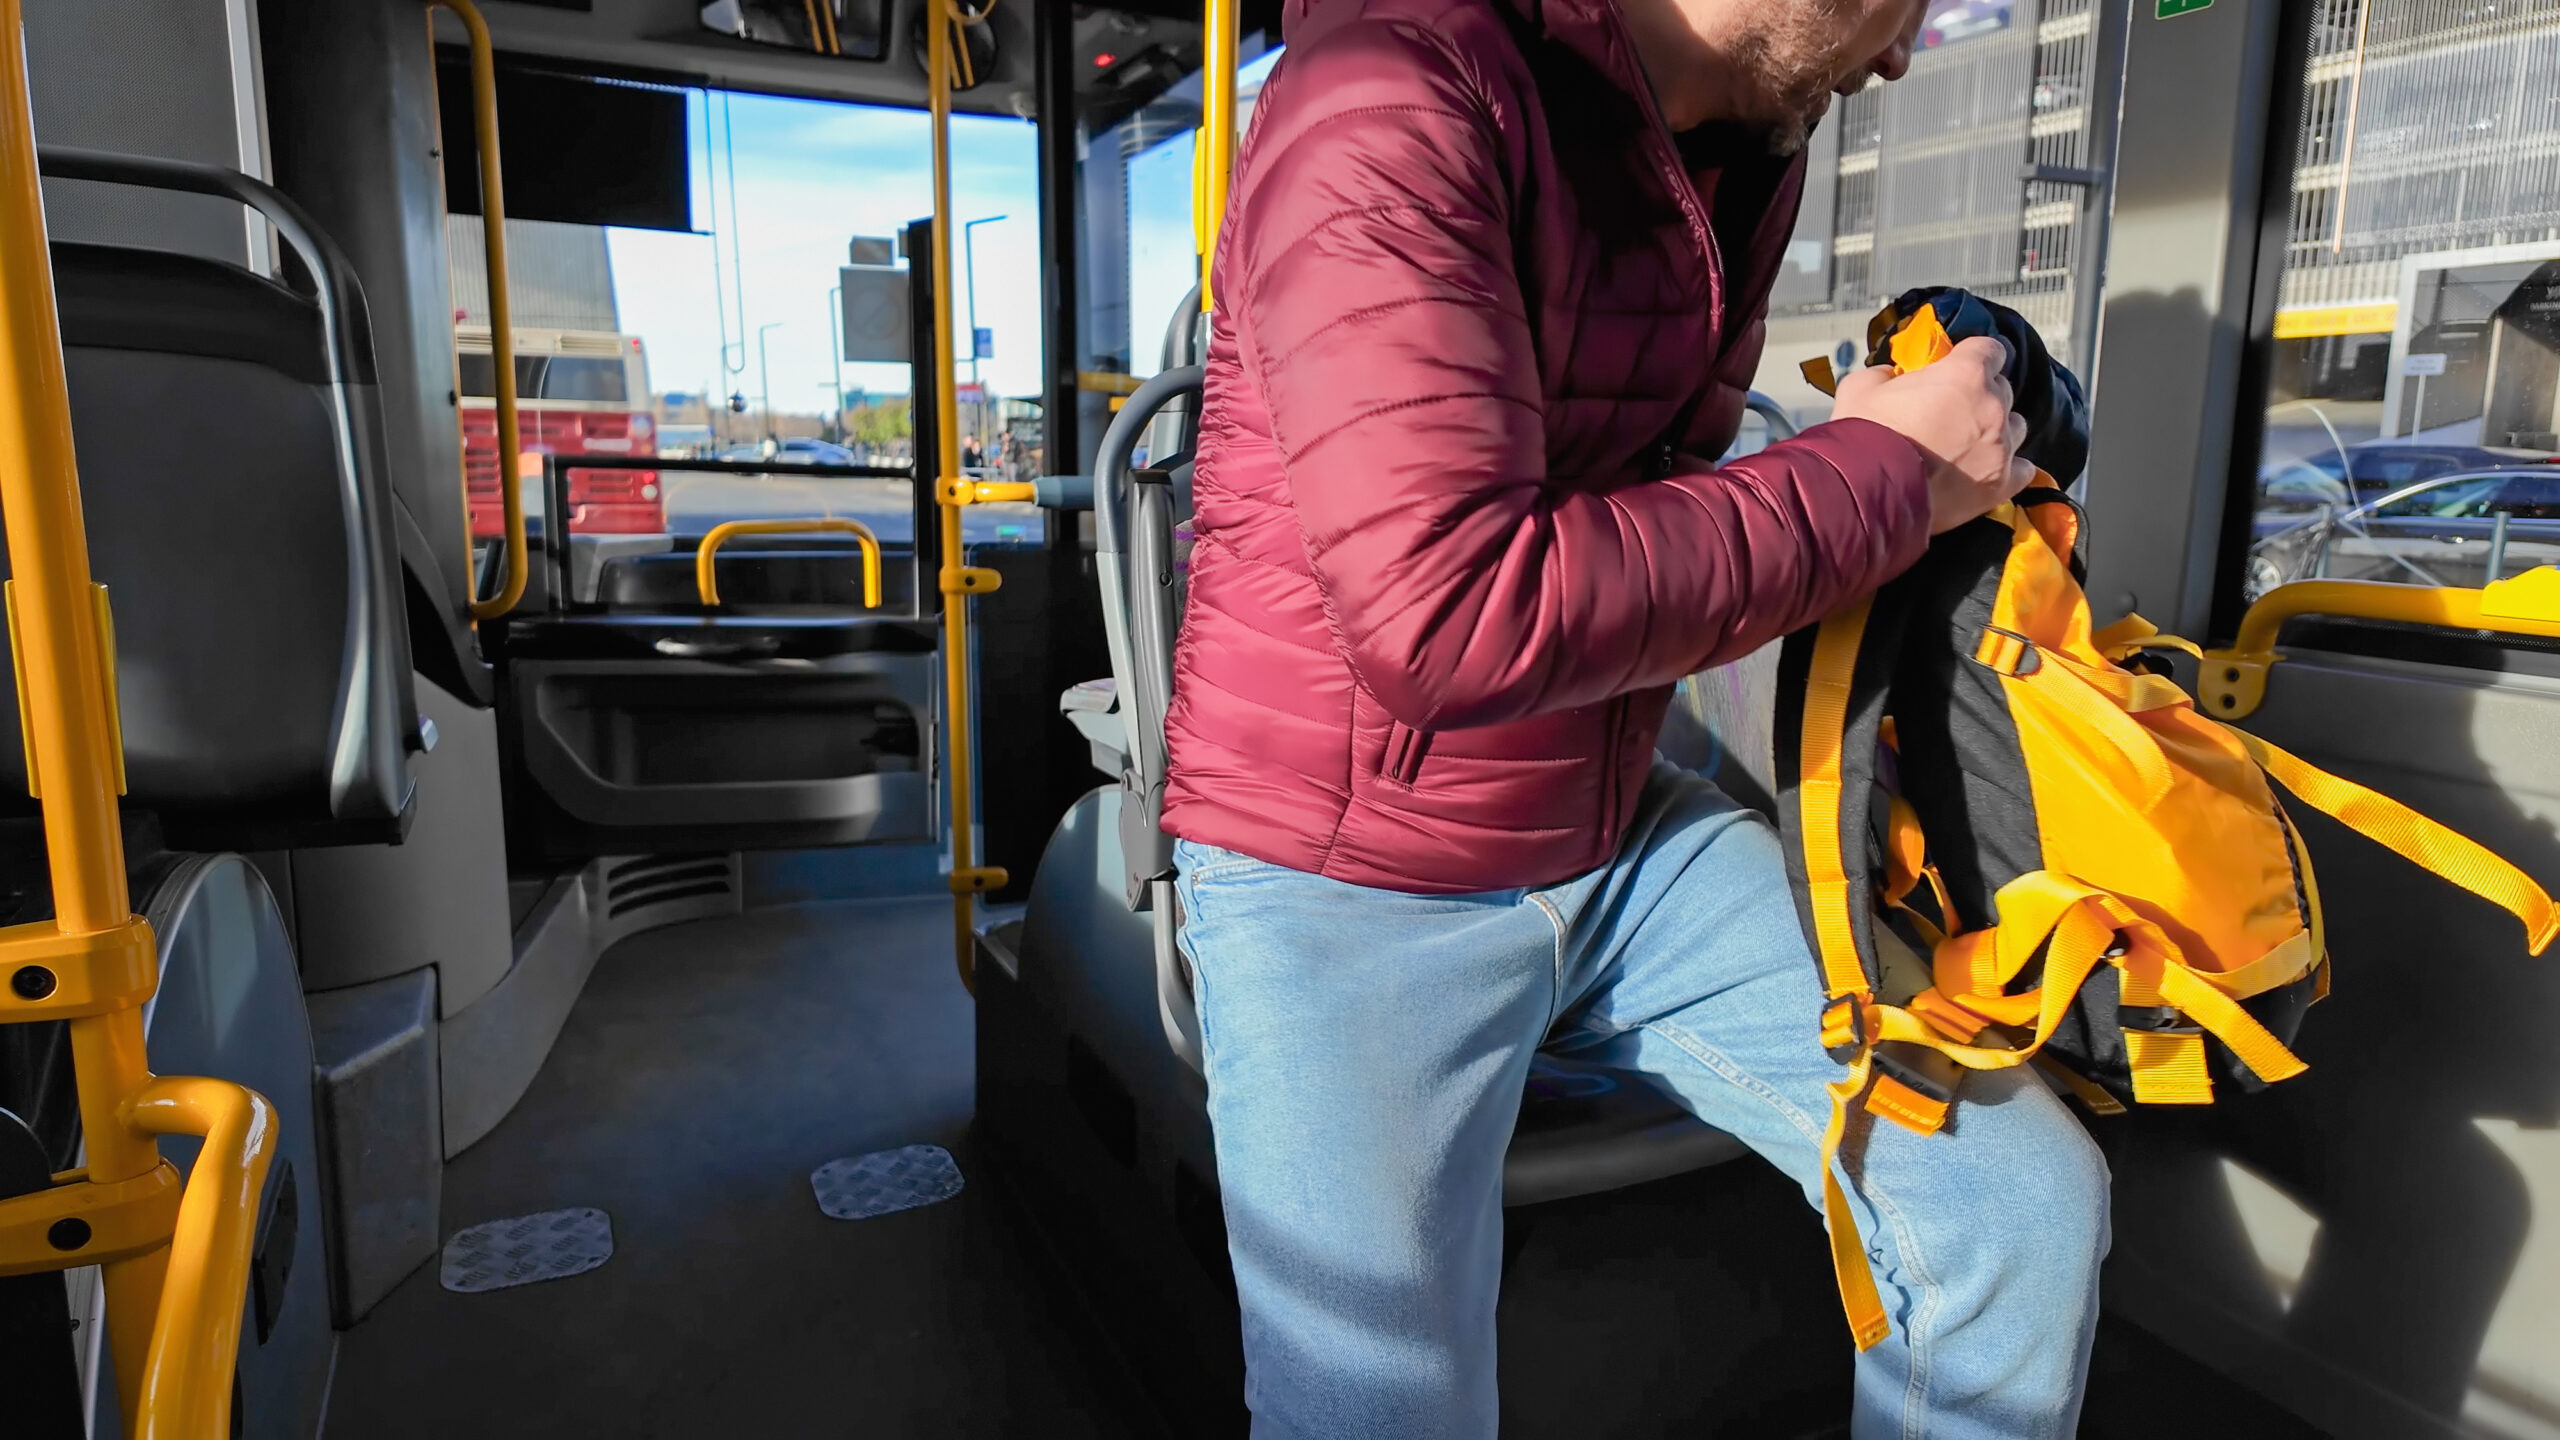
{"x": 2015, "y": 1184}
{"x": 2040, "y": 1171}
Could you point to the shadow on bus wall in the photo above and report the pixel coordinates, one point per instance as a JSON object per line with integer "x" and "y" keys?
{"x": 2343, "y": 1241}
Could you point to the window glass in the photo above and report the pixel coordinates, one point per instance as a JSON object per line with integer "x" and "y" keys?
{"x": 1920, "y": 183}
{"x": 1138, "y": 98}
{"x": 2417, "y": 330}
{"x": 744, "y": 321}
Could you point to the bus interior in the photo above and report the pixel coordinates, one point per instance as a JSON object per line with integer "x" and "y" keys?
{"x": 678, "y": 941}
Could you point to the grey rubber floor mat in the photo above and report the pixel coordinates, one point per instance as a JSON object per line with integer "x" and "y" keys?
{"x": 885, "y": 1181}
{"x": 526, "y": 1250}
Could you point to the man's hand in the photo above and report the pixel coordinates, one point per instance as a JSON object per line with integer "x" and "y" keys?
{"x": 1958, "y": 411}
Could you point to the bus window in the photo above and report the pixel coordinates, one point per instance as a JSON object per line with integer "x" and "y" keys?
{"x": 1138, "y": 95}
{"x": 1926, "y": 182}
{"x": 743, "y": 317}
{"x": 2417, "y": 331}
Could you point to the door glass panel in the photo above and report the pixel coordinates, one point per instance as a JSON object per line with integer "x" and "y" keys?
{"x": 1920, "y": 182}
{"x": 2417, "y": 332}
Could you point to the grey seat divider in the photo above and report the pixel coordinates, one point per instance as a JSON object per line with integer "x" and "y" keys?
{"x": 233, "y": 474}
{"x": 1135, "y": 552}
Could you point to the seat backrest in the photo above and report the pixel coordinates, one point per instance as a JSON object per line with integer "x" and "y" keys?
{"x": 232, "y": 479}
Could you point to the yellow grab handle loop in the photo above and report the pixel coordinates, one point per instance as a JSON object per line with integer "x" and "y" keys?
{"x": 2415, "y": 838}
{"x": 185, "y": 1389}
{"x": 706, "y": 581}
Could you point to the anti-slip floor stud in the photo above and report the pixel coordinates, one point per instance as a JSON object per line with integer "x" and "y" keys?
{"x": 526, "y": 1250}
{"x": 885, "y": 1181}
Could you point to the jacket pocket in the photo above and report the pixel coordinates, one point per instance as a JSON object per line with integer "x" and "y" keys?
{"x": 1402, "y": 763}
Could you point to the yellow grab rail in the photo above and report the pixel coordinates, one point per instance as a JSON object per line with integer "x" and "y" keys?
{"x": 186, "y": 1384}
{"x": 958, "y": 579}
{"x": 502, "y": 333}
{"x": 1216, "y": 146}
{"x": 2232, "y": 682}
{"x": 707, "y": 584}
{"x": 176, "y": 1264}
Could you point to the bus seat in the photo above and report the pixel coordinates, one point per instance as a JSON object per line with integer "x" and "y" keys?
{"x": 231, "y": 473}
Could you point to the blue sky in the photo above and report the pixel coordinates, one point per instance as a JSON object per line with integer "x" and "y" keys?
{"x": 810, "y": 175}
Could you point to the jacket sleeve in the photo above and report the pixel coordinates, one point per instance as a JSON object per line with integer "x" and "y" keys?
{"x": 1384, "y": 326}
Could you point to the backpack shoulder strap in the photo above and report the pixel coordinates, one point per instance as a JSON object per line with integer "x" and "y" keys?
{"x": 1833, "y": 682}
{"x": 2415, "y": 838}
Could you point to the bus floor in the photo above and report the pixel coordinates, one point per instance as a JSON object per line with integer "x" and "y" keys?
{"x": 709, "y": 1067}
{"x": 705, "y": 1072}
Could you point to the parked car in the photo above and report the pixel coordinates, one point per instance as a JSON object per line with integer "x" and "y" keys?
{"x": 2372, "y": 469}
{"x": 2439, "y": 531}
{"x": 815, "y": 452}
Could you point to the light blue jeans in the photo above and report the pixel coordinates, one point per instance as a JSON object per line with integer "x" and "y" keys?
{"x": 1366, "y": 1051}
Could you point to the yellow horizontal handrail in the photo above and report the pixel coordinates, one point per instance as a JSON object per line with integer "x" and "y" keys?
{"x": 2232, "y": 682}
{"x": 964, "y": 491}
{"x": 195, "y": 1339}
{"x": 707, "y": 584}
{"x": 1108, "y": 382}
{"x": 502, "y": 332}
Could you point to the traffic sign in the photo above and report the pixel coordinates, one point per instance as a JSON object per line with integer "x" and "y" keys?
{"x": 875, "y": 313}
{"x": 985, "y": 338}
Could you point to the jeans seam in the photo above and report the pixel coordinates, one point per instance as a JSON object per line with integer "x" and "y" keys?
{"x": 1924, "y": 1315}
{"x": 1555, "y": 994}
{"x": 1225, "y": 867}
{"x": 1717, "y": 1061}
{"x": 1906, "y": 1246}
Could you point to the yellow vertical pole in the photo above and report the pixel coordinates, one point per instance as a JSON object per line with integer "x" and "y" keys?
{"x": 1217, "y": 140}
{"x": 958, "y": 581}
{"x": 72, "y": 746}
{"x": 502, "y": 332}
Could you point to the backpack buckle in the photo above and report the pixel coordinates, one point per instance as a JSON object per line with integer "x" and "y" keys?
{"x": 2006, "y": 652}
{"x": 1844, "y": 1029}
{"x": 2156, "y": 1020}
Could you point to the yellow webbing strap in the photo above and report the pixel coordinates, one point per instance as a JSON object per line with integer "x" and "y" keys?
{"x": 1826, "y": 716}
{"x": 2415, "y": 838}
{"x": 1921, "y": 341}
{"x": 1858, "y": 1297}
{"x": 2168, "y": 1067}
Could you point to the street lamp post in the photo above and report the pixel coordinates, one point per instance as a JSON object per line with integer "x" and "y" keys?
{"x": 835, "y": 337}
{"x": 764, "y": 376}
{"x": 969, "y": 252}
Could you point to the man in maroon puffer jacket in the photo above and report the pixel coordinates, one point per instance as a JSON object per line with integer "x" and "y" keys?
{"x": 1490, "y": 290}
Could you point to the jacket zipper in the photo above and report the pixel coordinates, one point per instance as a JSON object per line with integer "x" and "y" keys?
{"x": 1406, "y": 748}
{"x": 1666, "y": 155}
{"x": 1667, "y": 160}
{"x": 1610, "y": 755}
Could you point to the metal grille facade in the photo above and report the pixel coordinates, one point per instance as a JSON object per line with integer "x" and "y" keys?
{"x": 1927, "y": 189}
{"x": 1949, "y": 205}
{"x": 2426, "y": 125}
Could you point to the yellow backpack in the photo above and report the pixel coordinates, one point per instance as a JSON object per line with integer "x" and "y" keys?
{"x": 2012, "y": 840}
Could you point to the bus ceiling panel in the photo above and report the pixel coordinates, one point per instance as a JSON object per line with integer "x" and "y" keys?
{"x": 2181, "y": 267}
{"x": 669, "y": 42}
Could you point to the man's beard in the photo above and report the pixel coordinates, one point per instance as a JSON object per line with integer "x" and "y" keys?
{"x": 1792, "y": 56}
{"x": 1786, "y": 139}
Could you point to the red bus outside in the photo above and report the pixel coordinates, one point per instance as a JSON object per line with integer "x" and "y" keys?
{"x": 577, "y": 393}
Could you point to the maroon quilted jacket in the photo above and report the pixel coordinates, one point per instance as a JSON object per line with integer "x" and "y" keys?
{"x": 1479, "y": 317}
